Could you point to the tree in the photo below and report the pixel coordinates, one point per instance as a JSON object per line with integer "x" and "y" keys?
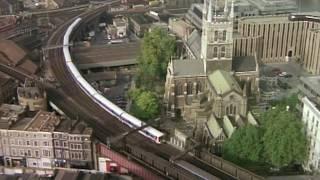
{"x": 245, "y": 146}
{"x": 284, "y": 140}
{"x": 145, "y": 104}
{"x": 157, "y": 49}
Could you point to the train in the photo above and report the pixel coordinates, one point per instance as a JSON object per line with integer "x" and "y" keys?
{"x": 126, "y": 118}
{"x": 304, "y": 17}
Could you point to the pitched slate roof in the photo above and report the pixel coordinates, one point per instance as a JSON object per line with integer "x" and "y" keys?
{"x": 223, "y": 82}
{"x": 194, "y": 43}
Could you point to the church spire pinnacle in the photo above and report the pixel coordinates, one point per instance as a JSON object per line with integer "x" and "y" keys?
{"x": 210, "y": 11}
{"x": 232, "y": 10}
{"x": 226, "y": 7}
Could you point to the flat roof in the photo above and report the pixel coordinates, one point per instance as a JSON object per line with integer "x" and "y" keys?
{"x": 265, "y": 19}
{"x": 188, "y": 67}
{"x": 313, "y": 82}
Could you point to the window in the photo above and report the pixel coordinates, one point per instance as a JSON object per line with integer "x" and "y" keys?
{"x": 189, "y": 88}
{"x": 223, "y": 51}
{"x": 215, "y": 52}
{"x": 21, "y": 152}
{"x": 65, "y": 144}
{"x": 216, "y": 35}
{"x": 29, "y": 152}
{"x": 28, "y": 143}
{"x": 35, "y": 143}
{"x": 56, "y": 143}
{"x": 45, "y": 143}
{"x": 224, "y": 35}
{"x": 36, "y": 153}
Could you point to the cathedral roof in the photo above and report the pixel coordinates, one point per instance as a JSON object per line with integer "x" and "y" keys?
{"x": 188, "y": 68}
{"x": 223, "y": 82}
{"x": 214, "y": 127}
{"x": 244, "y": 63}
{"x": 194, "y": 43}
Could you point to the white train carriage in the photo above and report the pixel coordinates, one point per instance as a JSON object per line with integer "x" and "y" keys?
{"x": 123, "y": 116}
{"x": 73, "y": 69}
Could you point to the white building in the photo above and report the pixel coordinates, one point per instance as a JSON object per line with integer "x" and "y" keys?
{"x": 311, "y": 118}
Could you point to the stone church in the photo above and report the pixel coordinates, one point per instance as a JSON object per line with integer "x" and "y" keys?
{"x": 211, "y": 87}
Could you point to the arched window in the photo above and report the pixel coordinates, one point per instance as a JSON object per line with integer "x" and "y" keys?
{"x": 227, "y": 110}
{"x": 224, "y": 35}
{"x": 189, "y": 88}
{"x": 216, "y": 35}
{"x": 215, "y": 52}
{"x": 223, "y": 51}
{"x": 179, "y": 89}
{"x": 234, "y": 110}
{"x": 199, "y": 87}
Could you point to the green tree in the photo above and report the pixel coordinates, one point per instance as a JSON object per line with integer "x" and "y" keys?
{"x": 157, "y": 48}
{"x": 245, "y": 146}
{"x": 145, "y": 104}
{"x": 284, "y": 140}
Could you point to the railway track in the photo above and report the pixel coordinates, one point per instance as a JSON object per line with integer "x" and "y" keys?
{"x": 105, "y": 125}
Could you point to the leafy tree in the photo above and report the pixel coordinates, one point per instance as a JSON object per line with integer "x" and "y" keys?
{"x": 145, "y": 104}
{"x": 245, "y": 146}
{"x": 157, "y": 49}
{"x": 284, "y": 141}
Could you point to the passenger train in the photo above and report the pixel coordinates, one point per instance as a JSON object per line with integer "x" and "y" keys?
{"x": 303, "y": 17}
{"x": 110, "y": 107}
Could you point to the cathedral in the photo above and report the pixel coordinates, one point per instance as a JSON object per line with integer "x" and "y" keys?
{"x": 210, "y": 88}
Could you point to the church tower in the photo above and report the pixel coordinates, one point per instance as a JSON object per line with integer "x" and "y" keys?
{"x": 217, "y": 35}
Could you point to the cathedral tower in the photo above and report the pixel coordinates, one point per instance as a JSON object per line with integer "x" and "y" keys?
{"x": 217, "y": 35}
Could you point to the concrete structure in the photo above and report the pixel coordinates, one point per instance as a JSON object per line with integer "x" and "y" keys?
{"x": 32, "y": 96}
{"x": 39, "y": 141}
{"x": 140, "y": 24}
{"x": 275, "y": 7}
{"x": 311, "y": 118}
{"x": 119, "y": 28}
{"x": 284, "y": 40}
{"x": 309, "y": 87}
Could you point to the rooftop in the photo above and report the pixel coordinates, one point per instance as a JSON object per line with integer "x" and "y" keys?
{"x": 44, "y": 121}
{"x": 188, "y": 67}
{"x": 313, "y": 82}
{"x": 10, "y": 114}
{"x": 223, "y": 82}
{"x": 265, "y": 19}
{"x": 142, "y": 19}
{"x": 244, "y": 64}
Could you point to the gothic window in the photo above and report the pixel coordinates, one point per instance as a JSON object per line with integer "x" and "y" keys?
{"x": 215, "y": 52}
{"x": 199, "y": 87}
{"x": 179, "y": 89}
{"x": 224, "y": 35}
{"x": 216, "y": 35}
{"x": 235, "y": 110}
{"x": 189, "y": 88}
{"x": 223, "y": 51}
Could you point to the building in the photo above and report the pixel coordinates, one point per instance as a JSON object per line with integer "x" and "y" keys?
{"x": 267, "y": 7}
{"x": 10, "y": 7}
{"x": 44, "y": 141}
{"x": 7, "y": 88}
{"x": 180, "y": 28}
{"x": 309, "y": 87}
{"x": 211, "y": 82}
{"x": 32, "y": 96}
{"x": 179, "y": 4}
{"x": 119, "y": 28}
{"x": 311, "y": 118}
{"x": 284, "y": 40}
{"x": 140, "y": 24}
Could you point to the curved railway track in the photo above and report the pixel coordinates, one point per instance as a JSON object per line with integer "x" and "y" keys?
{"x": 105, "y": 125}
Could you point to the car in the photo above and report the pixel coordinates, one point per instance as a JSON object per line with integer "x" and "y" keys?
{"x": 288, "y": 76}
{"x": 283, "y": 74}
